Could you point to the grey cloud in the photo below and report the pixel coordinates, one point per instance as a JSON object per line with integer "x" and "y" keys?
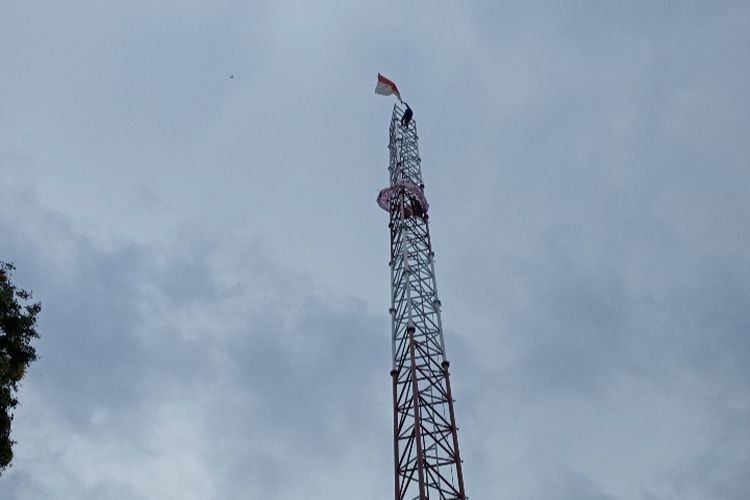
{"x": 586, "y": 167}
{"x": 564, "y": 484}
{"x": 285, "y": 369}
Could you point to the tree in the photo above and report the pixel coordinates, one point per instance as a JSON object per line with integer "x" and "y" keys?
{"x": 17, "y": 330}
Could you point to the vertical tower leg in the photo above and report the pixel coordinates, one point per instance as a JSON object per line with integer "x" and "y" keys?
{"x": 417, "y": 417}
{"x": 396, "y": 432}
{"x": 454, "y": 432}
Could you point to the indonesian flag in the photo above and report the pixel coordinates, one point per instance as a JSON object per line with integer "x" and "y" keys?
{"x": 386, "y": 87}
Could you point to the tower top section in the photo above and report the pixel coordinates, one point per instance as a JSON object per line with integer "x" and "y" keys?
{"x": 403, "y": 145}
{"x": 404, "y": 165}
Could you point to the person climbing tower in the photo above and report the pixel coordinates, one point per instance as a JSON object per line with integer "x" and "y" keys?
{"x": 407, "y": 116}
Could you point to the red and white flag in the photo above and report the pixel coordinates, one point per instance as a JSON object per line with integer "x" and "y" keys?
{"x": 386, "y": 87}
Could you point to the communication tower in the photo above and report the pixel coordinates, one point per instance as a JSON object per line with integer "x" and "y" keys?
{"x": 425, "y": 440}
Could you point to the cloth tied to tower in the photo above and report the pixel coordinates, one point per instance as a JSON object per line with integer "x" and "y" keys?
{"x": 417, "y": 203}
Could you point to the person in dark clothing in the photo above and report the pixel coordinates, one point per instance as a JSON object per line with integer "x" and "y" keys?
{"x": 417, "y": 209}
{"x": 407, "y": 116}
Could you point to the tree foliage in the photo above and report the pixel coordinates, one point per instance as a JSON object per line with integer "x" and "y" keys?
{"x": 17, "y": 330}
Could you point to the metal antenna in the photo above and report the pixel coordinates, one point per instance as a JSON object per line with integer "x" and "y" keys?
{"x": 425, "y": 440}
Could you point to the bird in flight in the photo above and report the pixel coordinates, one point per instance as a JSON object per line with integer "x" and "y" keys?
{"x": 231, "y": 76}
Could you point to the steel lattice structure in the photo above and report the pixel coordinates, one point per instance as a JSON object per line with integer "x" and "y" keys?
{"x": 425, "y": 442}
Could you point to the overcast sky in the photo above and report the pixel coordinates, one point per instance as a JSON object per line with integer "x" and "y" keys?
{"x": 213, "y": 266}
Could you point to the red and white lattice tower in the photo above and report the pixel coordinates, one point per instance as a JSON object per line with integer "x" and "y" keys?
{"x": 425, "y": 440}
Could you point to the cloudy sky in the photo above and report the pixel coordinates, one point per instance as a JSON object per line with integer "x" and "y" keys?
{"x": 213, "y": 266}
